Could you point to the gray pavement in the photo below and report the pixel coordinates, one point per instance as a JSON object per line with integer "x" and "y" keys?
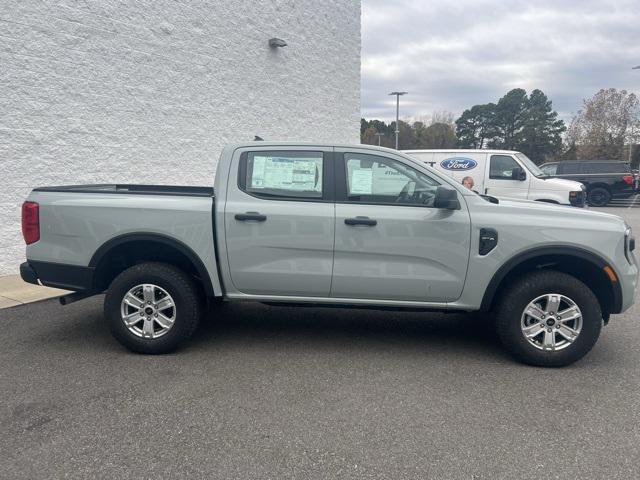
{"x": 276, "y": 392}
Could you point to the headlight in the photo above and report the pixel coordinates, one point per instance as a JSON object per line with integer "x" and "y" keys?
{"x": 577, "y": 198}
{"x": 629, "y": 244}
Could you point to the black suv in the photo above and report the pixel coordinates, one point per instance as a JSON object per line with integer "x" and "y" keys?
{"x": 604, "y": 179}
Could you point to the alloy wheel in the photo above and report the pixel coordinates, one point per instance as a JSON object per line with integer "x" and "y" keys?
{"x": 148, "y": 311}
{"x": 551, "y": 322}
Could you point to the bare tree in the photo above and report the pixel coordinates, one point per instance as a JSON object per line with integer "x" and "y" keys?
{"x": 607, "y": 121}
{"x": 443, "y": 116}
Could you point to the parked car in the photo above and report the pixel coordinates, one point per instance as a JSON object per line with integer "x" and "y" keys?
{"x": 348, "y": 226}
{"x": 503, "y": 173}
{"x": 603, "y": 179}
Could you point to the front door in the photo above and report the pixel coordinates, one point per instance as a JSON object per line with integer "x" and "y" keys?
{"x": 279, "y": 223}
{"x": 499, "y": 181}
{"x": 391, "y": 244}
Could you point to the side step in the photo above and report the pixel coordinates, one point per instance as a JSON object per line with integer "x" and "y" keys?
{"x": 75, "y": 296}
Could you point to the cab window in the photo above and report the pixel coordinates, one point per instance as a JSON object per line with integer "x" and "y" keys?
{"x": 379, "y": 180}
{"x": 296, "y": 175}
{"x": 570, "y": 168}
{"x": 501, "y": 167}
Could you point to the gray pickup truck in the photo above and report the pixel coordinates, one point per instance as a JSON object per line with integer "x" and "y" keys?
{"x": 335, "y": 225}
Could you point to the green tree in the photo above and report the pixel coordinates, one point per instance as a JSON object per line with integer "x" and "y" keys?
{"x": 369, "y": 136}
{"x": 541, "y": 134}
{"x": 509, "y": 120}
{"x": 406, "y": 136}
{"x": 364, "y": 124}
{"x": 475, "y": 126}
{"x": 419, "y": 128}
{"x": 369, "y": 129}
{"x": 517, "y": 122}
{"x": 438, "y": 135}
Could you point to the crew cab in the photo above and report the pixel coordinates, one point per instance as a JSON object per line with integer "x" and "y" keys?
{"x": 503, "y": 173}
{"x": 604, "y": 180}
{"x": 336, "y": 225}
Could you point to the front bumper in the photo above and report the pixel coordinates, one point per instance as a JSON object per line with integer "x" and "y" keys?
{"x": 629, "y": 284}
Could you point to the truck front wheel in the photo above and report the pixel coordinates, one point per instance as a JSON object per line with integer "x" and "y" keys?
{"x": 152, "y": 308}
{"x": 548, "y": 318}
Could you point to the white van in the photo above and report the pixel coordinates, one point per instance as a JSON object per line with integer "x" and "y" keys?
{"x": 503, "y": 173}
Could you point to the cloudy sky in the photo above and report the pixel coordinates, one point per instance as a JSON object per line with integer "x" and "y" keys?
{"x": 450, "y": 55}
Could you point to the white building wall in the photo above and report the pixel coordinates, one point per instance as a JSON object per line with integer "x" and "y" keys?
{"x": 149, "y": 91}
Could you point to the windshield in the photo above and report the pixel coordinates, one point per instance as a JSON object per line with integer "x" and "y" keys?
{"x": 532, "y": 167}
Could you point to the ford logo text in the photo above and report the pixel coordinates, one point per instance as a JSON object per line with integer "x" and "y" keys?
{"x": 458, "y": 163}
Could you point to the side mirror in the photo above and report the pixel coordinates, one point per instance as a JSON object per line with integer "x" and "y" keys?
{"x": 446, "y": 197}
{"x": 518, "y": 174}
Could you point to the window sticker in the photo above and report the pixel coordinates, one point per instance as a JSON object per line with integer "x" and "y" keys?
{"x": 300, "y": 174}
{"x": 361, "y": 182}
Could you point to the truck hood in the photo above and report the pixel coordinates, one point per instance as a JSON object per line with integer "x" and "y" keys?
{"x": 555, "y": 210}
{"x": 559, "y": 184}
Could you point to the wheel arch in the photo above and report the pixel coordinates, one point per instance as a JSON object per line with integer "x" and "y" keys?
{"x": 587, "y": 266}
{"x": 121, "y": 252}
{"x": 594, "y": 185}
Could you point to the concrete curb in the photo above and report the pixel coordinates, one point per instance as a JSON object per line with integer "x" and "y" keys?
{"x": 14, "y": 291}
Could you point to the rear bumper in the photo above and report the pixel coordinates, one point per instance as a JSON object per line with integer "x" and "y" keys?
{"x": 58, "y": 275}
{"x": 28, "y": 274}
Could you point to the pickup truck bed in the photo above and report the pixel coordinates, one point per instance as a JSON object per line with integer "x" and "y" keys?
{"x": 87, "y": 235}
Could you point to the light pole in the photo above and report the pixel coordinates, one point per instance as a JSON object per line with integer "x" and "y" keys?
{"x": 378, "y": 134}
{"x": 397, "y": 94}
{"x": 631, "y": 140}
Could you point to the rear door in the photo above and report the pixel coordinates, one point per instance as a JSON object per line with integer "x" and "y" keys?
{"x": 499, "y": 181}
{"x": 391, "y": 244}
{"x": 279, "y": 222}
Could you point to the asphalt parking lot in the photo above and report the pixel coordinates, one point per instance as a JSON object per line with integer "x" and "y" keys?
{"x": 276, "y": 392}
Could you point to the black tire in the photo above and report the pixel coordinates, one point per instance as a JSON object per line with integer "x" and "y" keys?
{"x": 181, "y": 288}
{"x": 531, "y": 286}
{"x": 598, "y": 197}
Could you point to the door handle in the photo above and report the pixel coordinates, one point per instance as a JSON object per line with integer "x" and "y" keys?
{"x": 250, "y": 216}
{"x": 369, "y": 222}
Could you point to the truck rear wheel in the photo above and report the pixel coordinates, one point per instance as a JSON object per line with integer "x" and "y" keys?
{"x": 598, "y": 197}
{"x": 152, "y": 308}
{"x": 549, "y": 319}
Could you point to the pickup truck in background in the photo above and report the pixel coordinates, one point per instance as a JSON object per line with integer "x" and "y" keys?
{"x": 336, "y": 225}
{"x": 604, "y": 179}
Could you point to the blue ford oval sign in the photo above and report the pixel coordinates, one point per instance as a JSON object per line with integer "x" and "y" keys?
{"x": 458, "y": 163}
